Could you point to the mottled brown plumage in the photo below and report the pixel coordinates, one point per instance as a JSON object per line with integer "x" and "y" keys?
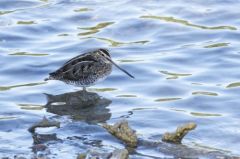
{"x": 86, "y": 69}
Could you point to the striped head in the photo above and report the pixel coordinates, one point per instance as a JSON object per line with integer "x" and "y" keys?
{"x": 104, "y": 55}
{"x": 104, "y": 52}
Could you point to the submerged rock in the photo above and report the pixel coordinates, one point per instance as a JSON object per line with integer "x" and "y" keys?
{"x": 43, "y": 124}
{"x": 41, "y": 152}
{"x": 182, "y": 151}
{"x": 119, "y": 154}
{"x": 82, "y": 156}
{"x": 123, "y": 132}
{"x": 15, "y": 157}
{"x": 39, "y": 147}
{"x": 97, "y": 153}
{"x": 101, "y": 154}
{"x": 177, "y": 136}
{"x": 80, "y": 105}
{"x": 42, "y": 138}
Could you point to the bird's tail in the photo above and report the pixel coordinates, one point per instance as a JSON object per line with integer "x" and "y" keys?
{"x": 52, "y": 76}
{"x": 48, "y": 78}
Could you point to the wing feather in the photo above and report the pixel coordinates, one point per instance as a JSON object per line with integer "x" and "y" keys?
{"x": 77, "y": 71}
{"x": 74, "y": 63}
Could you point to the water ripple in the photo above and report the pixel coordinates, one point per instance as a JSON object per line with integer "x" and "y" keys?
{"x": 205, "y": 93}
{"x": 174, "y": 75}
{"x": 233, "y": 85}
{"x": 217, "y": 45}
{"x": 27, "y": 54}
{"x": 94, "y": 29}
{"x": 118, "y": 43}
{"x": 186, "y": 23}
{"x": 5, "y": 88}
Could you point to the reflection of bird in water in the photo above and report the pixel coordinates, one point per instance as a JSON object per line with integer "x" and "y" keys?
{"x": 81, "y": 105}
{"x": 86, "y": 69}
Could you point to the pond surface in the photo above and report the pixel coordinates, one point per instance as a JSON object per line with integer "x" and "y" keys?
{"x": 184, "y": 56}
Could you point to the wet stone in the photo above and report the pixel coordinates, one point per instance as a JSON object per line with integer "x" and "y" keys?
{"x": 119, "y": 154}
{"x": 42, "y": 138}
{"x": 82, "y": 156}
{"x": 97, "y": 154}
{"x": 39, "y": 147}
{"x": 41, "y": 151}
{"x": 86, "y": 141}
{"x": 43, "y": 124}
{"x": 181, "y": 151}
{"x": 16, "y": 157}
{"x": 123, "y": 132}
{"x": 177, "y": 136}
{"x": 103, "y": 154}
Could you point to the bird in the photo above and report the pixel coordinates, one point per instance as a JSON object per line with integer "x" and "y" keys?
{"x": 86, "y": 69}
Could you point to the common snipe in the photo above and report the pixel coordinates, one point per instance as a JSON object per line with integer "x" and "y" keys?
{"x": 86, "y": 69}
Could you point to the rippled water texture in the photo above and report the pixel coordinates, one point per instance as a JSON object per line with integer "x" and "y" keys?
{"x": 184, "y": 55}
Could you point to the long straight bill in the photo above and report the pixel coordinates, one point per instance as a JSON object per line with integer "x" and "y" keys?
{"x": 119, "y": 67}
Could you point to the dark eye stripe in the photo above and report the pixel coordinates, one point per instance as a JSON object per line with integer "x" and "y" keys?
{"x": 105, "y": 52}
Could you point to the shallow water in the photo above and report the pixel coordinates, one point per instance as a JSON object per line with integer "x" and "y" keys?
{"x": 183, "y": 54}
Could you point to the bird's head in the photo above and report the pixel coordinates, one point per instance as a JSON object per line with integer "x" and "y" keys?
{"x": 104, "y": 52}
{"x": 105, "y": 56}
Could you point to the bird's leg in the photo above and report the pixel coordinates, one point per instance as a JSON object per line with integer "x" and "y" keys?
{"x": 84, "y": 90}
